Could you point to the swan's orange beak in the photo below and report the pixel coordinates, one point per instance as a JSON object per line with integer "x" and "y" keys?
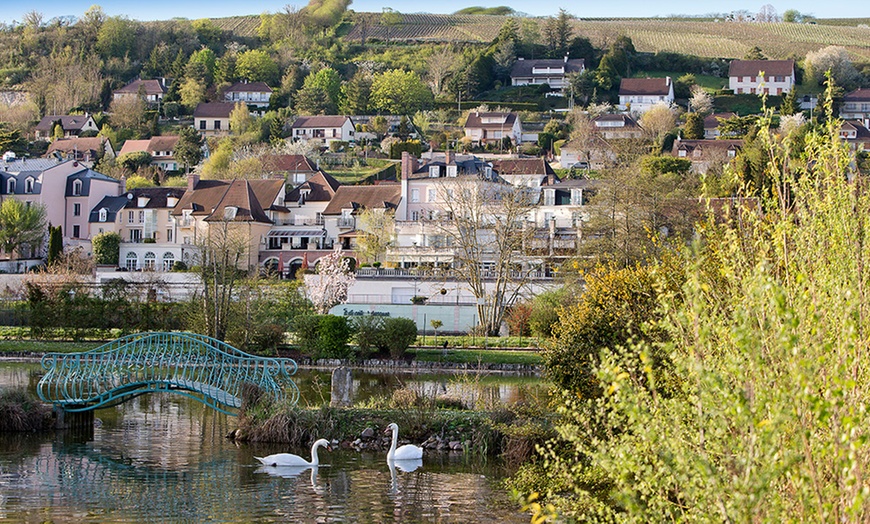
{"x": 388, "y": 430}
{"x": 329, "y": 447}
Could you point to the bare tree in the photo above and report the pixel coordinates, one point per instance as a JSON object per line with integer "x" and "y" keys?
{"x": 128, "y": 112}
{"x": 67, "y": 79}
{"x": 767, "y": 13}
{"x": 701, "y": 101}
{"x": 440, "y": 64}
{"x": 485, "y": 225}
{"x": 221, "y": 253}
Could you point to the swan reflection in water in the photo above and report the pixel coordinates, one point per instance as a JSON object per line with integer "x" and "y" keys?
{"x": 292, "y": 472}
{"x": 405, "y": 466}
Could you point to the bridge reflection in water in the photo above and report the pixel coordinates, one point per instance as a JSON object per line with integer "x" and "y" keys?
{"x": 197, "y": 366}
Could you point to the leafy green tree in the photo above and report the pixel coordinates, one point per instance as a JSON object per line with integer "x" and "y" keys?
{"x": 355, "y": 93}
{"x": 106, "y": 248}
{"x": 790, "y": 104}
{"x": 257, "y": 66}
{"x": 399, "y": 92}
{"x": 766, "y": 342}
{"x": 22, "y": 227}
{"x": 225, "y": 68}
{"x": 116, "y": 37}
{"x": 192, "y": 92}
{"x": 755, "y": 53}
{"x": 694, "y": 128}
{"x": 12, "y": 140}
{"x": 188, "y": 149}
{"x": 135, "y": 160}
{"x": 320, "y": 93}
{"x": 200, "y": 66}
{"x": 557, "y": 34}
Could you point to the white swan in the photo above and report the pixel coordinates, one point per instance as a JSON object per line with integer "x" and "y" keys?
{"x": 289, "y": 459}
{"x": 406, "y": 452}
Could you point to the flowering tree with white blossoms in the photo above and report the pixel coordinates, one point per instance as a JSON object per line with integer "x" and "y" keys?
{"x": 328, "y": 287}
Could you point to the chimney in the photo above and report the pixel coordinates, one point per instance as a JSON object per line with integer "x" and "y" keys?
{"x": 409, "y": 165}
{"x": 192, "y": 181}
{"x": 450, "y": 157}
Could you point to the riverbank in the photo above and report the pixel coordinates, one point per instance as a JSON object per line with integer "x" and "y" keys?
{"x": 416, "y": 359}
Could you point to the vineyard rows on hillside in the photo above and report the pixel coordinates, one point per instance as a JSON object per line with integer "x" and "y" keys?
{"x": 697, "y": 37}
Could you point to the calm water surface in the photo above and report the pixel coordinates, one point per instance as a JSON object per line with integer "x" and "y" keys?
{"x": 164, "y": 458}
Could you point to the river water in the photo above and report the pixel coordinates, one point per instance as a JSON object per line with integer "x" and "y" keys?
{"x": 165, "y": 458}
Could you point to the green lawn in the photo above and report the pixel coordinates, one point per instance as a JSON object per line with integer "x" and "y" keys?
{"x": 475, "y": 356}
{"x": 45, "y": 346}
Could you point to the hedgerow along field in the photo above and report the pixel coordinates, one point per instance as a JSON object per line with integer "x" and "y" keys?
{"x": 700, "y": 37}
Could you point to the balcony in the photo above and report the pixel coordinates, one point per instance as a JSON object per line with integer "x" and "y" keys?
{"x": 346, "y": 223}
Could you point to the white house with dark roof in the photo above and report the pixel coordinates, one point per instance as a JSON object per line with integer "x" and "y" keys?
{"x": 545, "y": 71}
{"x": 255, "y": 94}
{"x": 213, "y": 118}
{"x": 774, "y": 77}
{"x": 72, "y": 125}
{"x": 856, "y": 106}
{"x": 638, "y": 95}
{"x": 610, "y": 126}
{"x": 152, "y": 91}
{"x": 705, "y": 154}
{"x": 327, "y": 128}
{"x": 482, "y": 128}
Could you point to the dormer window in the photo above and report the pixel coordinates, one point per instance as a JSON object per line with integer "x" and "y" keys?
{"x": 104, "y": 215}
{"x": 77, "y": 188}
{"x": 434, "y": 171}
{"x": 230, "y": 212}
{"x": 28, "y": 185}
{"x": 682, "y": 153}
{"x": 10, "y": 186}
{"x": 451, "y": 171}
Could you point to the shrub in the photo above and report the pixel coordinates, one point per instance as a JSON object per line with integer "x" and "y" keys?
{"x": 267, "y": 337}
{"x": 19, "y": 411}
{"x": 334, "y": 334}
{"x": 398, "y": 334}
{"x": 307, "y": 328}
{"x": 367, "y": 329}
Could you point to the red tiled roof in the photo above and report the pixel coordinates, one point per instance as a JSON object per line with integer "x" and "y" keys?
{"x": 150, "y": 87}
{"x": 249, "y": 87}
{"x": 321, "y": 188}
{"x": 859, "y": 95}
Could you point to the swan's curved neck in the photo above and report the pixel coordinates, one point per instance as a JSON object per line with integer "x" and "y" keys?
{"x": 395, "y": 441}
{"x": 314, "y": 459}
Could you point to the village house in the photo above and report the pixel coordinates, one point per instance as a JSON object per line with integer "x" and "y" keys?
{"x": 341, "y": 215}
{"x": 484, "y": 128}
{"x": 638, "y": 95}
{"x": 142, "y": 217}
{"x": 551, "y": 72}
{"x": 243, "y": 206}
{"x": 592, "y": 153}
{"x": 72, "y": 126}
{"x": 773, "y": 77}
{"x": 213, "y": 118}
{"x": 295, "y": 168}
{"x": 255, "y": 94}
{"x": 85, "y": 150}
{"x": 300, "y": 238}
{"x": 152, "y": 91}
{"x": 161, "y": 149}
{"x": 711, "y": 124}
{"x": 706, "y": 154}
{"x": 616, "y": 126}
{"x": 856, "y": 106}
{"x": 327, "y": 128}
{"x": 856, "y": 134}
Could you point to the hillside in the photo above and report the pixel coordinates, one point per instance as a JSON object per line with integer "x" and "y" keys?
{"x": 699, "y": 37}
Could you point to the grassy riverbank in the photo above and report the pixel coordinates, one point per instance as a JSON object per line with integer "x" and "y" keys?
{"x": 451, "y": 355}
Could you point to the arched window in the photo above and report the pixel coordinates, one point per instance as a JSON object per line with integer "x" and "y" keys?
{"x": 10, "y": 186}
{"x": 132, "y": 262}
{"x": 77, "y": 187}
{"x": 168, "y": 261}
{"x": 150, "y": 259}
{"x": 104, "y": 215}
{"x": 28, "y": 185}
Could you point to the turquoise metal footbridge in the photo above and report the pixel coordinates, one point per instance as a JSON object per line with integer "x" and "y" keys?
{"x": 189, "y": 364}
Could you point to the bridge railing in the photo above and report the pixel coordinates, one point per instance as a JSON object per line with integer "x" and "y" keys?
{"x": 186, "y": 363}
